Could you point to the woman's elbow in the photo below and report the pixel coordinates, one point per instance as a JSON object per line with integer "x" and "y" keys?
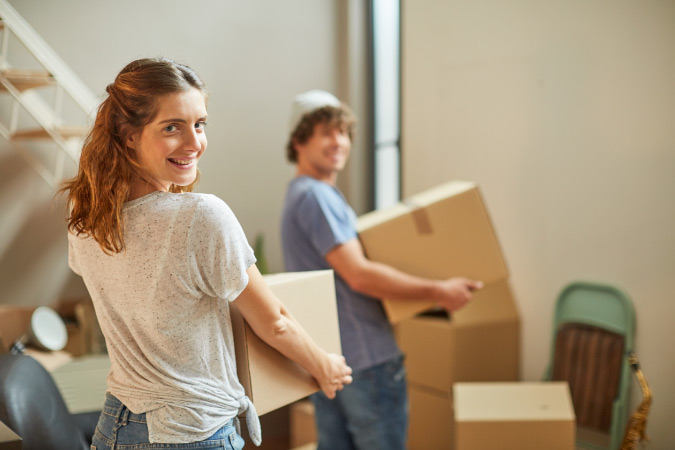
{"x": 277, "y": 330}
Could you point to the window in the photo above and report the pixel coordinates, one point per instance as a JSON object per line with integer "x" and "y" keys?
{"x": 386, "y": 102}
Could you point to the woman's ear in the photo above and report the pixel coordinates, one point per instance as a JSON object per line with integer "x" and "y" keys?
{"x": 131, "y": 141}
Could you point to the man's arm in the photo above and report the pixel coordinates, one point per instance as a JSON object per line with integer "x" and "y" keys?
{"x": 383, "y": 281}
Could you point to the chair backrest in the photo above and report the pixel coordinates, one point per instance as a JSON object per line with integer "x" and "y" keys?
{"x": 32, "y": 406}
{"x": 599, "y": 305}
{"x": 593, "y": 333}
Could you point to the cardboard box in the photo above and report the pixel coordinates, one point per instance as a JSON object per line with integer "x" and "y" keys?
{"x": 431, "y": 425}
{"x": 9, "y": 440}
{"x": 302, "y": 424}
{"x": 270, "y": 379}
{"x": 440, "y": 233}
{"x": 518, "y": 416}
{"x": 14, "y": 323}
{"x": 480, "y": 342}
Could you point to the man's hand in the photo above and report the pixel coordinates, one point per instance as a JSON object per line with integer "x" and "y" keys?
{"x": 453, "y": 293}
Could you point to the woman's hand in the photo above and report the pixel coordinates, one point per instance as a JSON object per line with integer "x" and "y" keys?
{"x": 338, "y": 374}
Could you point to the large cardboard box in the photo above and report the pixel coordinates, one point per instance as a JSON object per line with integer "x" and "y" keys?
{"x": 480, "y": 342}
{"x": 430, "y": 419}
{"x": 513, "y": 416}
{"x": 270, "y": 379}
{"x": 439, "y": 233}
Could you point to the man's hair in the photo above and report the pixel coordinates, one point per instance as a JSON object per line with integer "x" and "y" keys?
{"x": 340, "y": 116}
{"x": 107, "y": 168}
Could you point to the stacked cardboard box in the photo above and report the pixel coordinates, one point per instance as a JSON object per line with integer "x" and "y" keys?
{"x": 442, "y": 233}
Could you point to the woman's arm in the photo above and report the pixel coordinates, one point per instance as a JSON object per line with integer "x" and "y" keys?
{"x": 272, "y": 322}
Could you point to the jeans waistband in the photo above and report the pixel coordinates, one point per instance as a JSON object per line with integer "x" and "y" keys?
{"x": 114, "y": 407}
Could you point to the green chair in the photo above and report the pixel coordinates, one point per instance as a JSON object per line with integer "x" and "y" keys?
{"x": 593, "y": 334}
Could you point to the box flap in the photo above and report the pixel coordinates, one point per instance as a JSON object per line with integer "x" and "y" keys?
{"x": 438, "y": 193}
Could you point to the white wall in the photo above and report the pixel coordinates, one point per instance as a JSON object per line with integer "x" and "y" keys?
{"x": 563, "y": 112}
{"x": 254, "y": 56}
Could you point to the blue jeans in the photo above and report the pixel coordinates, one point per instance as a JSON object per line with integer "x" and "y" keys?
{"x": 371, "y": 413}
{"x": 119, "y": 428}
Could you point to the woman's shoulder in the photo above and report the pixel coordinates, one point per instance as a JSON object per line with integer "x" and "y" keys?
{"x": 207, "y": 207}
{"x": 199, "y": 199}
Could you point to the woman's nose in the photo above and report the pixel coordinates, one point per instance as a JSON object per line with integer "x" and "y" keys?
{"x": 195, "y": 140}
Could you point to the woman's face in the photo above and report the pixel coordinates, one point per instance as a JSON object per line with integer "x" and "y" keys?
{"x": 169, "y": 147}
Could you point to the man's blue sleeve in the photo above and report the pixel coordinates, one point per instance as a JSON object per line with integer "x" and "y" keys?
{"x": 326, "y": 219}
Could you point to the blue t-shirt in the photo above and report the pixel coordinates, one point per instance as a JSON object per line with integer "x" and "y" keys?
{"x": 316, "y": 218}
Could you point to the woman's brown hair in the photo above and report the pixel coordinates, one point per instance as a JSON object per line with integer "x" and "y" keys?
{"x": 107, "y": 168}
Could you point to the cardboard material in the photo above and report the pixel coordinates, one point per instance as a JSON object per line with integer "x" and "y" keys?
{"x": 270, "y": 379}
{"x": 440, "y": 233}
{"x": 14, "y": 323}
{"x": 310, "y": 446}
{"x": 431, "y": 425}
{"x": 478, "y": 343}
{"x": 9, "y": 440}
{"x": 518, "y": 416}
{"x": 302, "y": 424}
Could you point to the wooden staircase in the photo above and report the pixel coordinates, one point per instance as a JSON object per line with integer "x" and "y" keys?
{"x": 31, "y": 117}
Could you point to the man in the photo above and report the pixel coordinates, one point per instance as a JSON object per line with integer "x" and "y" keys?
{"x": 318, "y": 232}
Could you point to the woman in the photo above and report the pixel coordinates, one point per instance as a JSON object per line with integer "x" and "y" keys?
{"x": 161, "y": 265}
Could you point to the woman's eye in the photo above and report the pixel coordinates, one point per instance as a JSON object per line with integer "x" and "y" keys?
{"x": 200, "y": 125}
{"x": 170, "y": 128}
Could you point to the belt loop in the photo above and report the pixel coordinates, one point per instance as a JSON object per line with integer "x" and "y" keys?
{"x": 122, "y": 415}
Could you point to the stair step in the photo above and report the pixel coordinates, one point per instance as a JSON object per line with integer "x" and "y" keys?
{"x": 26, "y": 79}
{"x": 66, "y": 132}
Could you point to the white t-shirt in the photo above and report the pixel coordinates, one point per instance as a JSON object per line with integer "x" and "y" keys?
{"x": 163, "y": 306}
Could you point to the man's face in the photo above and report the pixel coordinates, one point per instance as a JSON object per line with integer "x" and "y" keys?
{"x": 326, "y": 151}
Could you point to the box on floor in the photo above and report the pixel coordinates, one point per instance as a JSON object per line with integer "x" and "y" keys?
{"x": 440, "y": 233}
{"x": 431, "y": 425}
{"x": 270, "y": 379}
{"x": 513, "y": 416}
{"x": 477, "y": 343}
